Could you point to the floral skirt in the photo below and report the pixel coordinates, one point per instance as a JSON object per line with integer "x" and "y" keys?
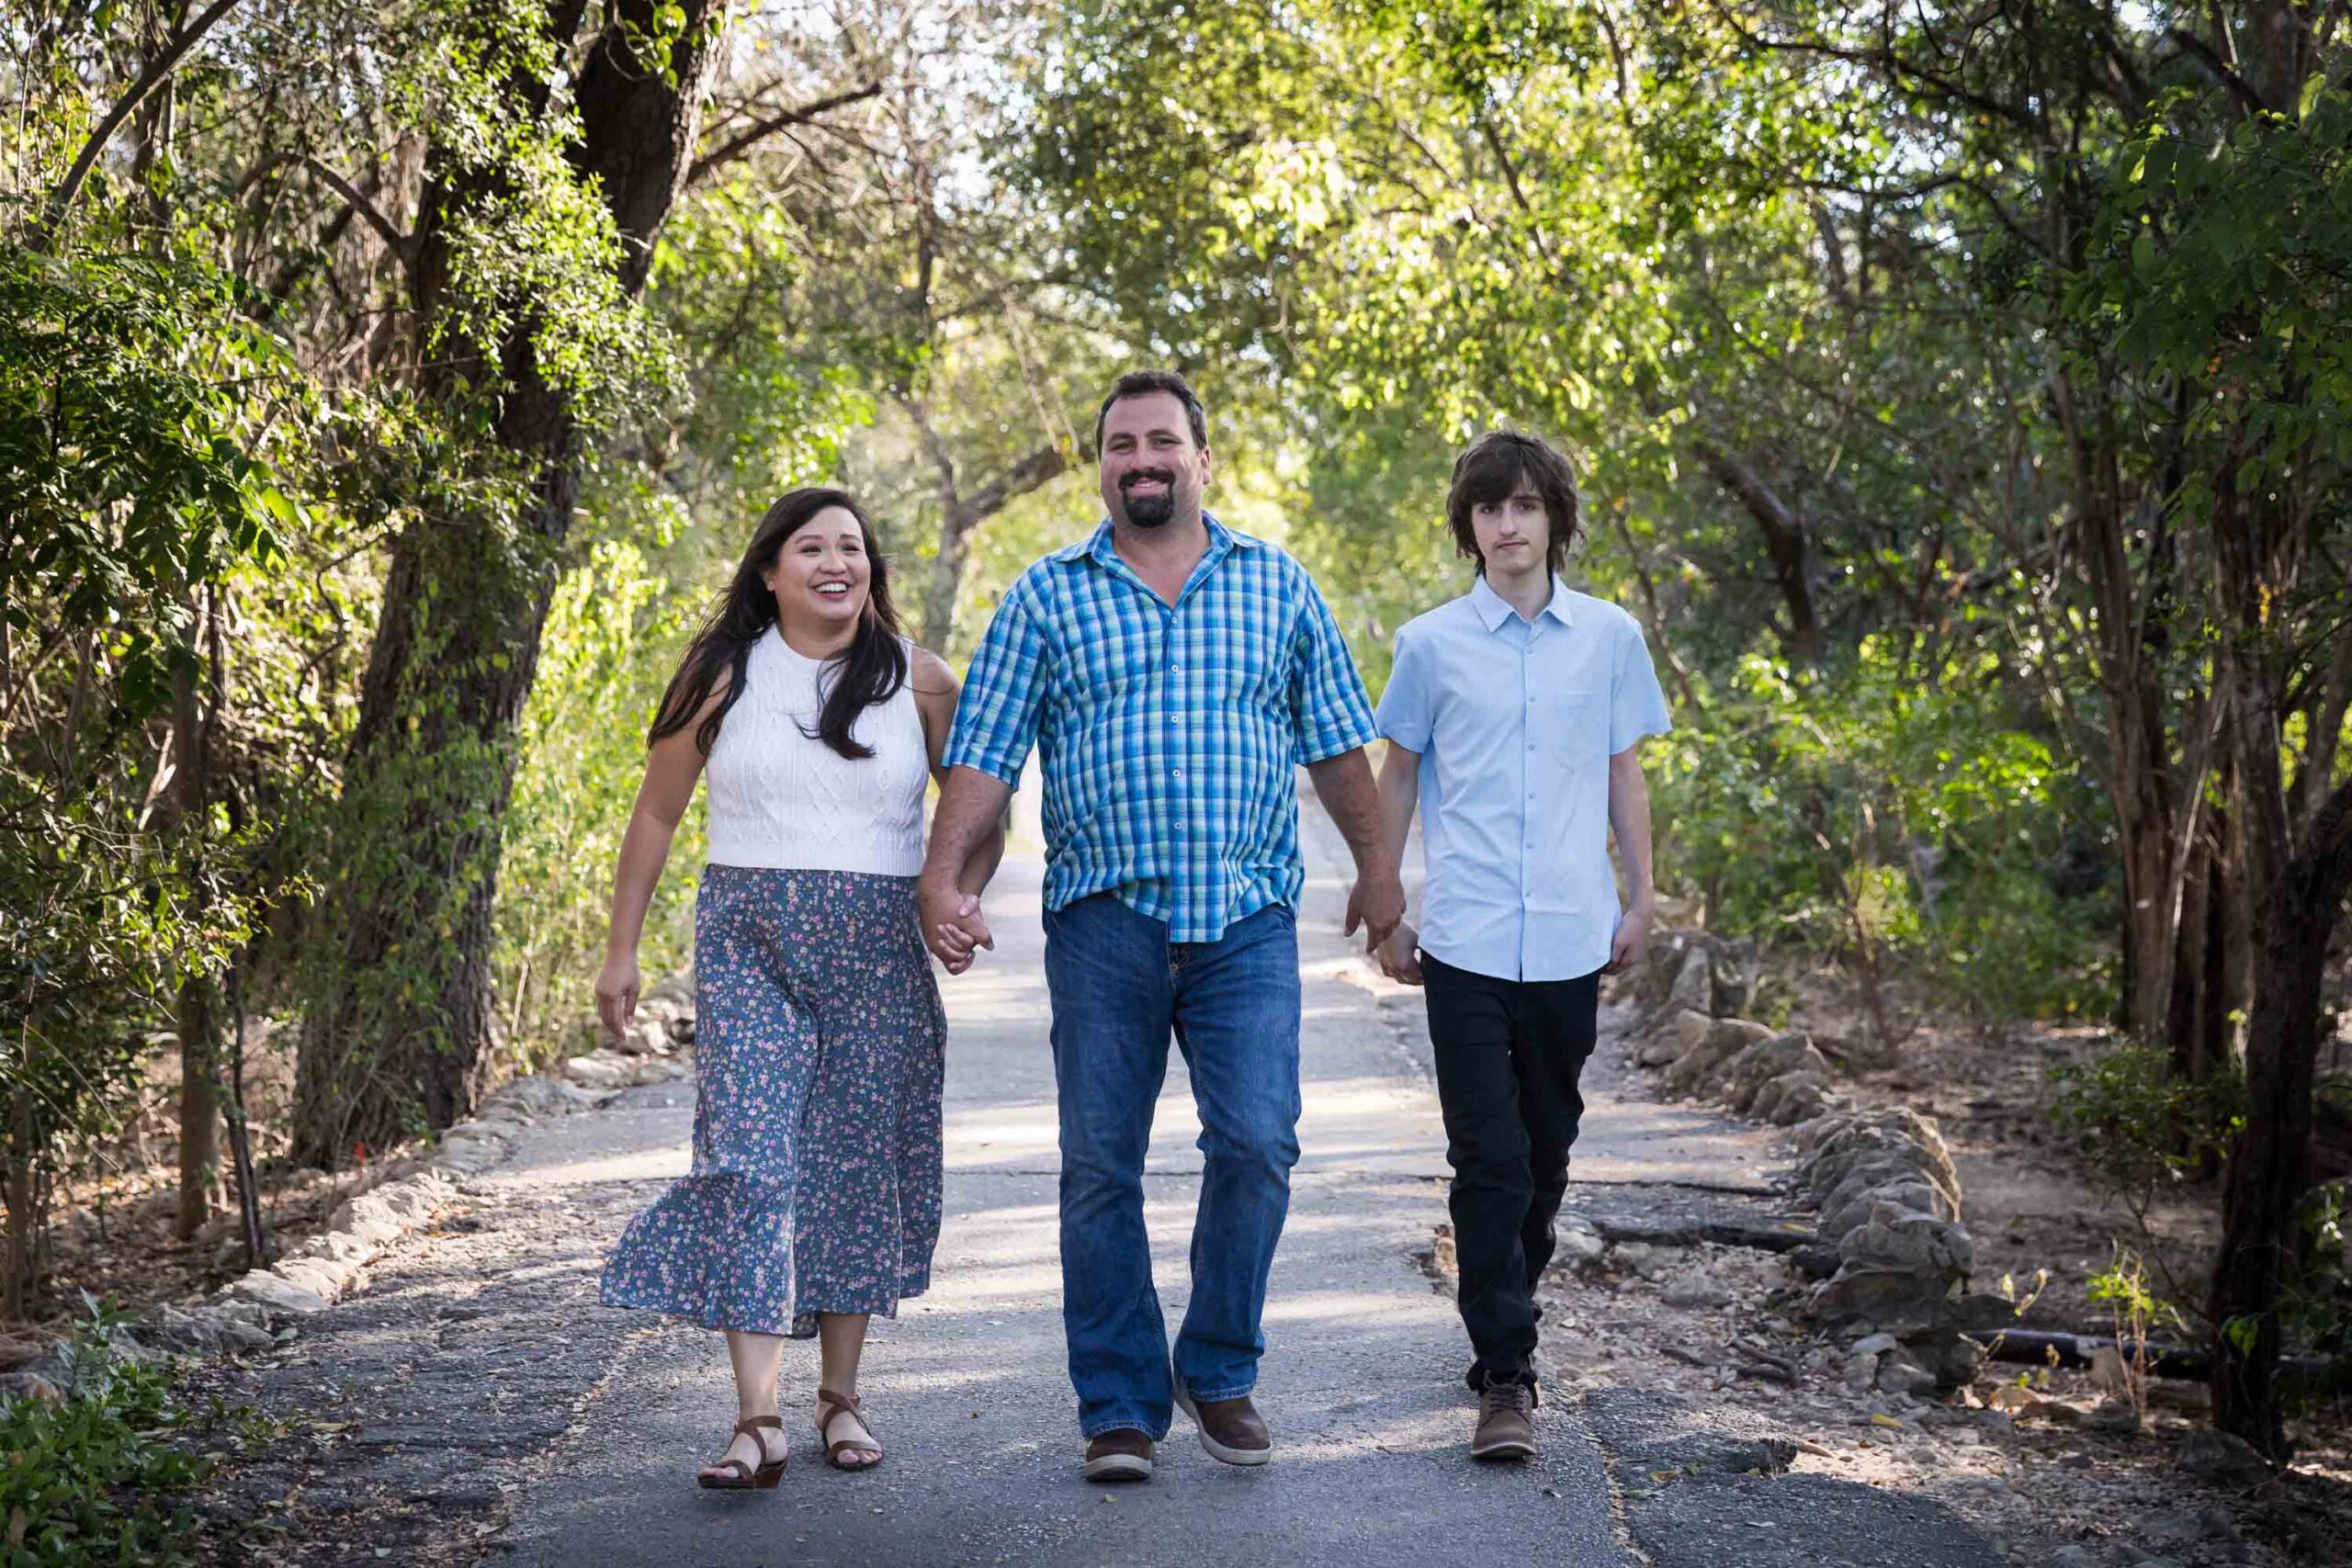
{"x": 819, "y": 1051}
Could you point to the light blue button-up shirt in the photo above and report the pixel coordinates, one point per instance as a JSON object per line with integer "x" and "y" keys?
{"x": 1515, "y": 723}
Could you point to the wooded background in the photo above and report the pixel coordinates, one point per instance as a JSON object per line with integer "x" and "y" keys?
{"x": 1960, "y": 393}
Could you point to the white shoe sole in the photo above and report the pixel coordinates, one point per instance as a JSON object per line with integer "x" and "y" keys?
{"x": 1119, "y": 1467}
{"x": 1502, "y": 1451}
{"x": 1218, "y": 1451}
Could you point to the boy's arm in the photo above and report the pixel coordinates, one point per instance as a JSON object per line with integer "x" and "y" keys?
{"x": 1629, "y": 814}
{"x": 1400, "y": 795}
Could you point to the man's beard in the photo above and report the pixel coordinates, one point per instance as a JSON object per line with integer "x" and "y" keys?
{"x": 1150, "y": 510}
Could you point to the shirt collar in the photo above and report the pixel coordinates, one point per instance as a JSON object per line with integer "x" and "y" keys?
{"x": 1493, "y": 609}
{"x": 1097, "y": 546}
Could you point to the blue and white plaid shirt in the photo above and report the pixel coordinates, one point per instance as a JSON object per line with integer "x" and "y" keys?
{"x": 1170, "y": 734}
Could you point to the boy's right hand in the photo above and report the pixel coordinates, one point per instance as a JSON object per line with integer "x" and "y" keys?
{"x": 1400, "y": 955}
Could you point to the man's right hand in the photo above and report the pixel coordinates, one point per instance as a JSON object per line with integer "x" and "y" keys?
{"x": 953, "y": 927}
{"x": 1400, "y": 955}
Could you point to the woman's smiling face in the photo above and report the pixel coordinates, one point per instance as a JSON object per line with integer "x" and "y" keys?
{"x": 822, "y": 573}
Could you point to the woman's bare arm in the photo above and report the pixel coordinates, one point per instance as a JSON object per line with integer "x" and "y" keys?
{"x": 672, "y": 768}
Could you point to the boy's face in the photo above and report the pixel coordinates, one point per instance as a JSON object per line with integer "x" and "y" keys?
{"x": 1514, "y": 534}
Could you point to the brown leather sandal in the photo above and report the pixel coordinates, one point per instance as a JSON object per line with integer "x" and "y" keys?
{"x": 833, "y": 1407}
{"x": 744, "y": 1477}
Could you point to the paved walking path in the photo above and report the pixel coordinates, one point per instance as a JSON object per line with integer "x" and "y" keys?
{"x": 476, "y": 1400}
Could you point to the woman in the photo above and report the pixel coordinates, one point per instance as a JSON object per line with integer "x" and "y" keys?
{"x": 815, "y": 1194}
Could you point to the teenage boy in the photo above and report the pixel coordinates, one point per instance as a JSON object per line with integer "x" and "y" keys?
{"x": 1513, "y": 717}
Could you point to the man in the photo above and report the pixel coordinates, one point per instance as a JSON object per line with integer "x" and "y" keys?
{"x": 1172, "y": 673}
{"x": 1513, "y": 717}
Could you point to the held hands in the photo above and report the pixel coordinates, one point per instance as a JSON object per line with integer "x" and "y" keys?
{"x": 1377, "y": 904}
{"x": 953, "y": 927}
{"x": 1633, "y": 938}
{"x": 1400, "y": 955}
{"x": 617, "y": 986}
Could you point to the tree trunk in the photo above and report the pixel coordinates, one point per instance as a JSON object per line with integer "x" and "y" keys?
{"x": 2269, "y": 1169}
{"x": 1785, "y": 540}
{"x": 401, "y": 1024}
{"x": 960, "y": 514}
{"x": 2296, "y": 886}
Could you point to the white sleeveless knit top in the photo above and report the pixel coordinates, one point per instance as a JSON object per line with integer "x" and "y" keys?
{"x": 782, "y": 799}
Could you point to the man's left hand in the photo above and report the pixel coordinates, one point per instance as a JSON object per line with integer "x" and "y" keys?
{"x": 1377, "y": 904}
{"x": 1633, "y": 938}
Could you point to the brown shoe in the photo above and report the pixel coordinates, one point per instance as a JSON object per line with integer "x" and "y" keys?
{"x": 1231, "y": 1429}
{"x": 1506, "y": 1423}
{"x": 1123, "y": 1455}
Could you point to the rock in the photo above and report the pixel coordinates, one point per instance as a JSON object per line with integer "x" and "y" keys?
{"x": 1900, "y": 1373}
{"x": 244, "y": 1336}
{"x": 1576, "y": 1244}
{"x": 1689, "y": 1029}
{"x": 658, "y": 1069}
{"x": 1692, "y": 988}
{"x": 1792, "y": 1097}
{"x": 277, "y": 1291}
{"x": 28, "y": 1385}
{"x": 598, "y": 1071}
{"x": 1657, "y": 1052}
{"x": 1725, "y": 1039}
{"x": 1955, "y": 1358}
{"x": 644, "y": 1037}
{"x": 1641, "y": 1258}
{"x": 682, "y": 1030}
{"x": 1697, "y": 1289}
{"x": 1875, "y": 1344}
{"x": 2120, "y": 1417}
{"x": 1861, "y": 1372}
{"x": 323, "y": 1278}
{"x": 1737, "y": 1080}
{"x": 2222, "y": 1458}
{"x": 678, "y": 987}
{"x": 2073, "y": 1557}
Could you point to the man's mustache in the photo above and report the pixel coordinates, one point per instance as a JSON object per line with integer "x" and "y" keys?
{"x": 1139, "y": 476}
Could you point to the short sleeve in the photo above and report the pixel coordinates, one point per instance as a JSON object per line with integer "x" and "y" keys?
{"x": 1637, "y": 705}
{"x": 1004, "y": 693}
{"x": 1405, "y": 714}
{"x": 1329, "y": 707}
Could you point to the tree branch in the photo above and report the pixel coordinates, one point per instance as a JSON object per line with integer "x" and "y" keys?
{"x": 759, "y": 131}
{"x": 62, "y": 200}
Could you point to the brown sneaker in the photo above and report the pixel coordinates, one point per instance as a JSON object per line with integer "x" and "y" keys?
{"x": 1506, "y": 1423}
{"x": 1231, "y": 1429}
{"x": 1122, "y": 1455}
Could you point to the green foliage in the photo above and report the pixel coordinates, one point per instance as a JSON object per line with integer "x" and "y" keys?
{"x": 91, "y": 1478}
{"x": 1872, "y": 806}
{"x": 2142, "y": 1129}
{"x": 613, "y": 636}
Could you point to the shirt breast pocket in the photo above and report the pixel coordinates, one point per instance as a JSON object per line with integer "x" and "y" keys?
{"x": 1577, "y": 735}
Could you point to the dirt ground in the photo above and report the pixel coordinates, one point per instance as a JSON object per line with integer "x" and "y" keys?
{"x": 2025, "y": 1453}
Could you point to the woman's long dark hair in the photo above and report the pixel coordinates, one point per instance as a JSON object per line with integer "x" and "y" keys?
{"x": 871, "y": 670}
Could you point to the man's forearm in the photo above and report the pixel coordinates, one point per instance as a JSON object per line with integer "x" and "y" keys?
{"x": 1343, "y": 783}
{"x": 970, "y": 813}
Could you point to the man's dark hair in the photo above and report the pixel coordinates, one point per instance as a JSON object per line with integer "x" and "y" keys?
{"x": 1142, "y": 383}
{"x": 1492, "y": 469}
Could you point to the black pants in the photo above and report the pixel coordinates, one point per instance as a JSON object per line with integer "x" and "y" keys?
{"x": 1508, "y": 1055}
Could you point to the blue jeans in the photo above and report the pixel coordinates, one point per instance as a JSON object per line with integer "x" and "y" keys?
{"x": 1119, "y": 988}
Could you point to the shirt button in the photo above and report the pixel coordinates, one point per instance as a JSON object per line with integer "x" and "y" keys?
{"x": 1179, "y": 772}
